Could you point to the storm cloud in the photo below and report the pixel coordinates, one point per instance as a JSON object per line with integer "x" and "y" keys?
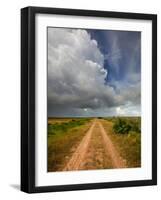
{"x": 78, "y": 76}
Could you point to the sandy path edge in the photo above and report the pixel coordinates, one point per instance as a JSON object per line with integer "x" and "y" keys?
{"x": 79, "y": 154}
{"x": 117, "y": 161}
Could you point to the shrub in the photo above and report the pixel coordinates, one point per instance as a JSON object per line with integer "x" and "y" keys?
{"x": 121, "y": 126}
{"x": 136, "y": 126}
{"x": 124, "y": 125}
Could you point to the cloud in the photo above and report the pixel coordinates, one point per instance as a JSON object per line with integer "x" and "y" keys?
{"x": 114, "y": 54}
{"x": 128, "y": 110}
{"x": 123, "y": 55}
{"x": 76, "y": 76}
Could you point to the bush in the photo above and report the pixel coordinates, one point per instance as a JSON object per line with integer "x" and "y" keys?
{"x": 136, "y": 126}
{"x": 124, "y": 125}
{"x": 121, "y": 126}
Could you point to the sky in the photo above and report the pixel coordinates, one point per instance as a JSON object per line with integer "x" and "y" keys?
{"x": 93, "y": 73}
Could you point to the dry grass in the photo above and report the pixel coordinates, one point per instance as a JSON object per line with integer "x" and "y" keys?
{"x": 58, "y": 120}
{"x": 63, "y": 143}
{"x": 128, "y": 145}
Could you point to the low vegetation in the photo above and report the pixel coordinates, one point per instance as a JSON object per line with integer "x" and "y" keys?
{"x": 125, "y": 132}
{"x": 65, "y": 134}
{"x": 61, "y": 128}
{"x": 125, "y": 125}
{"x": 63, "y": 137}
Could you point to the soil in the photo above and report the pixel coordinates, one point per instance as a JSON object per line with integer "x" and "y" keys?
{"x": 95, "y": 151}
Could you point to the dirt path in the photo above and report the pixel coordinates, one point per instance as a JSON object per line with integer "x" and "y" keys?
{"x": 117, "y": 161}
{"x": 96, "y": 156}
{"x": 78, "y": 156}
{"x": 96, "y": 151}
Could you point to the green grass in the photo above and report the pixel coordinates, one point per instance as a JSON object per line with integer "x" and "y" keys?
{"x": 61, "y": 128}
{"x": 62, "y": 137}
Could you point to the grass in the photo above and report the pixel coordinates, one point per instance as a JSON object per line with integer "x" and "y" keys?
{"x": 125, "y": 125}
{"x": 65, "y": 134}
{"x": 62, "y": 139}
{"x": 54, "y": 120}
{"x": 61, "y": 128}
{"x": 127, "y": 144}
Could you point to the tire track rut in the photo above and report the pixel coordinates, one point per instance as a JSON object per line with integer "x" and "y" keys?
{"x": 78, "y": 156}
{"x": 95, "y": 143}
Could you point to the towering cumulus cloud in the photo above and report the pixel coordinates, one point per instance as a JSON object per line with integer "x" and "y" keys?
{"x": 77, "y": 78}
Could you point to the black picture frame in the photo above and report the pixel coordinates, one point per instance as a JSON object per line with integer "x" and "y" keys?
{"x": 28, "y": 98}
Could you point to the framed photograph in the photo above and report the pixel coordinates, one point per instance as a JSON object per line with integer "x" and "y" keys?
{"x": 88, "y": 99}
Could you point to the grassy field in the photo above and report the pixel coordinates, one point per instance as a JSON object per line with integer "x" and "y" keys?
{"x": 125, "y": 132}
{"x": 65, "y": 134}
{"x": 63, "y": 137}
